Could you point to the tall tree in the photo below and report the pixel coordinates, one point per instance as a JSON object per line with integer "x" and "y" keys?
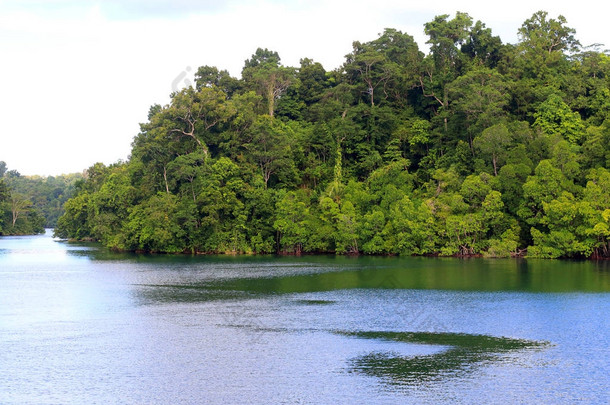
{"x": 480, "y": 99}
{"x": 445, "y": 61}
{"x": 541, "y": 60}
{"x": 194, "y": 114}
{"x": 267, "y": 76}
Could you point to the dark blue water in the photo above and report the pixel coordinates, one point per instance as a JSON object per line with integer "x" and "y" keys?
{"x": 80, "y": 325}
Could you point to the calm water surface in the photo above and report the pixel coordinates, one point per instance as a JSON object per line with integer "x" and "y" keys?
{"x": 80, "y": 325}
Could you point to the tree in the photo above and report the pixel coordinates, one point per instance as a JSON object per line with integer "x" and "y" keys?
{"x": 595, "y": 148}
{"x": 566, "y": 219}
{"x": 410, "y": 229}
{"x": 267, "y": 76}
{"x": 587, "y": 89}
{"x": 446, "y": 60}
{"x": 493, "y": 142}
{"x": 385, "y": 69}
{"x": 545, "y": 185}
{"x": 541, "y": 60}
{"x": 110, "y": 206}
{"x": 74, "y": 223}
{"x": 193, "y": 114}
{"x": 543, "y": 45}
{"x": 364, "y": 64}
{"x": 483, "y": 47}
{"x": 270, "y": 146}
{"x": 210, "y": 76}
{"x": 597, "y": 196}
{"x": 554, "y": 118}
{"x": 152, "y": 226}
{"x": 20, "y": 206}
{"x": 222, "y": 210}
{"x": 292, "y": 222}
{"x": 186, "y": 169}
{"x": 539, "y": 34}
{"x": 511, "y": 178}
{"x": 480, "y": 98}
{"x": 4, "y": 198}
{"x": 314, "y": 81}
{"x": 445, "y": 37}
{"x": 565, "y": 157}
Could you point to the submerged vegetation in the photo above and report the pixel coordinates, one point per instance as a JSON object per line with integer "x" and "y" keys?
{"x": 476, "y": 148}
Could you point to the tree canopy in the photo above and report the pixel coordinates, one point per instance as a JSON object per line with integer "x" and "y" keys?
{"x": 476, "y": 148}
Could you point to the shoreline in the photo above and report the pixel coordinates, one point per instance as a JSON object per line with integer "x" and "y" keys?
{"x": 520, "y": 255}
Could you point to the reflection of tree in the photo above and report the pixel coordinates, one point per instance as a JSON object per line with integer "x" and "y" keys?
{"x": 464, "y": 351}
{"x": 379, "y": 273}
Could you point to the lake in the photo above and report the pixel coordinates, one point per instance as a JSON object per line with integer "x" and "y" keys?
{"x": 81, "y": 325}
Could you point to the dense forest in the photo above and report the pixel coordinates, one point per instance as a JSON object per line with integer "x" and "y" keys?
{"x": 475, "y": 148}
{"x": 28, "y": 204}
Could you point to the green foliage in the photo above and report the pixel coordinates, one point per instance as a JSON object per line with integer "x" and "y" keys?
{"x": 264, "y": 74}
{"x": 493, "y": 143}
{"x": 565, "y": 219}
{"x": 28, "y": 204}
{"x": 410, "y": 229}
{"x": 293, "y": 222}
{"x": 554, "y": 118}
{"x": 477, "y": 148}
{"x": 152, "y": 225}
{"x": 479, "y": 97}
{"x": 74, "y": 224}
{"x": 504, "y": 246}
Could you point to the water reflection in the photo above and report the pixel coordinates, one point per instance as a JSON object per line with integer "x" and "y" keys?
{"x": 259, "y": 274}
{"x": 602, "y": 266}
{"x": 219, "y": 277}
{"x": 182, "y": 294}
{"x": 463, "y": 353}
{"x": 315, "y": 302}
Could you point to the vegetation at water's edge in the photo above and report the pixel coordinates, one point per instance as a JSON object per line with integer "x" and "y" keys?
{"x": 28, "y": 204}
{"x": 477, "y": 147}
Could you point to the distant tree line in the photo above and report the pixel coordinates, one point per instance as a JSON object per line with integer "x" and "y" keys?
{"x": 28, "y": 204}
{"x": 476, "y": 148}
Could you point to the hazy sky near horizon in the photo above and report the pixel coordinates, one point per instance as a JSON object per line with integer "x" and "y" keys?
{"x": 77, "y": 77}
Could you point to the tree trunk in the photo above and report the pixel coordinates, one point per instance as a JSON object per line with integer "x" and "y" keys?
{"x": 165, "y": 179}
{"x": 266, "y": 176}
{"x": 18, "y": 206}
{"x": 270, "y": 99}
{"x": 446, "y": 106}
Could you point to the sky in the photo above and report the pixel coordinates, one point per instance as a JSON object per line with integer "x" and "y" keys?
{"x": 77, "y": 77}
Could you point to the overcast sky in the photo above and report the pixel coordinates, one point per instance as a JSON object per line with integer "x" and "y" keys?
{"x": 78, "y": 76}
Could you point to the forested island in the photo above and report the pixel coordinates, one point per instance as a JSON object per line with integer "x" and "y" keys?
{"x": 476, "y": 148}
